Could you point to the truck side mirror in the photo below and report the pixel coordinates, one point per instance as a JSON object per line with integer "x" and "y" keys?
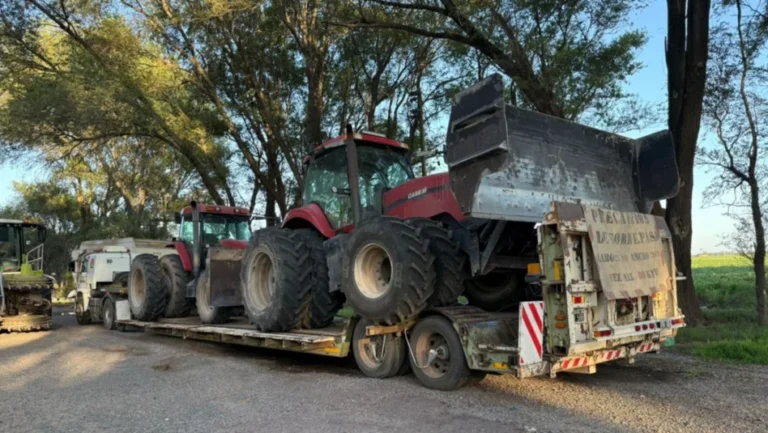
{"x": 177, "y": 218}
{"x": 41, "y": 233}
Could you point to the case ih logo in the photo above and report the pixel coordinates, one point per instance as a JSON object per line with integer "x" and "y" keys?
{"x": 417, "y": 193}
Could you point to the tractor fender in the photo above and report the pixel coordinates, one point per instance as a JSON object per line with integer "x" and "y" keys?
{"x": 309, "y": 216}
{"x": 423, "y": 197}
{"x": 186, "y": 259}
{"x": 234, "y": 244}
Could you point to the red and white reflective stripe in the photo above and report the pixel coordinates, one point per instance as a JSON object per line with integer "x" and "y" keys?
{"x": 646, "y": 347}
{"x": 531, "y": 332}
{"x": 575, "y": 363}
{"x": 612, "y": 354}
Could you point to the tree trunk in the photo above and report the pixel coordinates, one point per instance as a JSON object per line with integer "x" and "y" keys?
{"x": 314, "y": 120}
{"x": 686, "y": 55}
{"x": 759, "y": 258}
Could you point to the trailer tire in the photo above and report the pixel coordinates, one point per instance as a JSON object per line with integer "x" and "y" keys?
{"x": 449, "y": 370}
{"x": 176, "y": 278}
{"x": 82, "y": 316}
{"x": 495, "y": 291}
{"x": 275, "y": 280}
{"x": 208, "y": 313}
{"x": 108, "y": 314}
{"x": 388, "y": 272}
{"x": 147, "y": 290}
{"x": 449, "y": 262}
{"x": 325, "y": 304}
{"x": 391, "y": 353}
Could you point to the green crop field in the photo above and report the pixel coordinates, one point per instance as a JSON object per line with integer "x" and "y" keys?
{"x": 725, "y": 286}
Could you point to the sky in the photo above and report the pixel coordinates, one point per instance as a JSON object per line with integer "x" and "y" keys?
{"x": 709, "y": 224}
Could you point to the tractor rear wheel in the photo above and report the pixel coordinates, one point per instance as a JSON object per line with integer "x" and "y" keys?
{"x": 176, "y": 279}
{"x": 325, "y": 304}
{"x": 377, "y": 356}
{"x": 389, "y": 272}
{"x": 449, "y": 262}
{"x": 147, "y": 290}
{"x": 495, "y": 291}
{"x": 275, "y": 280}
{"x": 207, "y": 312}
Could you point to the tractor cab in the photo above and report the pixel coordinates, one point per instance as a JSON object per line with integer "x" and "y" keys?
{"x": 382, "y": 164}
{"x": 21, "y": 242}
{"x": 216, "y": 223}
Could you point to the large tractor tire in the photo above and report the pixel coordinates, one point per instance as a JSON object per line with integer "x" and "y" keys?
{"x": 324, "y": 304}
{"x": 147, "y": 289}
{"x": 450, "y": 270}
{"x": 25, "y": 323}
{"x": 176, "y": 279}
{"x": 495, "y": 291}
{"x": 388, "y": 271}
{"x": 379, "y": 356}
{"x": 275, "y": 280}
{"x": 207, "y": 312}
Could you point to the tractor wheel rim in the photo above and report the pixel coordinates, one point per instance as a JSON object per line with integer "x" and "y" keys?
{"x": 373, "y": 271}
{"x": 436, "y": 344}
{"x": 262, "y": 281}
{"x": 138, "y": 290}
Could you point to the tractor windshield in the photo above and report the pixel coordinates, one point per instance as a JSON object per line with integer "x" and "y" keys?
{"x": 381, "y": 168}
{"x": 10, "y": 248}
{"x": 216, "y": 228}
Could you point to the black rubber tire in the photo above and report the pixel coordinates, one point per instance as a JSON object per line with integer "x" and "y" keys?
{"x": 108, "y": 314}
{"x": 450, "y": 270}
{"x": 495, "y": 291}
{"x": 324, "y": 304}
{"x": 411, "y": 275}
{"x": 147, "y": 277}
{"x": 208, "y": 314}
{"x": 82, "y": 316}
{"x": 458, "y": 371}
{"x": 287, "y": 257}
{"x": 25, "y": 323}
{"x": 393, "y": 355}
{"x": 176, "y": 278}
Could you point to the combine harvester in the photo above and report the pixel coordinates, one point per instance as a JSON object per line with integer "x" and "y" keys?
{"x": 541, "y": 223}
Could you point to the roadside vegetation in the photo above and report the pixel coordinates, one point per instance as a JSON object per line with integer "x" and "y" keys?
{"x": 725, "y": 286}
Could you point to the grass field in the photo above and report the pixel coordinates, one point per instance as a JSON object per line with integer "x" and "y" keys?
{"x": 725, "y": 286}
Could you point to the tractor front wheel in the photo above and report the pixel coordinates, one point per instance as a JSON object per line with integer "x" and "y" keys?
{"x": 495, "y": 291}
{"x": 176, "y": 279}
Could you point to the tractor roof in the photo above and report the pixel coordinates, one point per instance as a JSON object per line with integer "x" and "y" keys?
{"x": 19, "y": 223}
{"x": 216, "y": 209}
{"x": 365, "y": 136}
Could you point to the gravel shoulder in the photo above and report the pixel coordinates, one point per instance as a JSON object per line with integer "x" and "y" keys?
{"x": 85, "y": 379}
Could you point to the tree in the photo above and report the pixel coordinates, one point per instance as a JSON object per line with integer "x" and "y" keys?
{"x": 686, "y": 55}
{"x": 734, "y": 101}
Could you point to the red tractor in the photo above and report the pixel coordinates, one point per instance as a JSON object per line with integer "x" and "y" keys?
{"x": 170, "y": 285}
{"x": 395, "y": 245}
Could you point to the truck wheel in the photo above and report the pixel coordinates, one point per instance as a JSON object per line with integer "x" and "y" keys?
{"x": 25, "y": 323}
{"x": 494, "y": 291}
{"x": 108, "y": 312}
{"x": 207, "y": 312}
{"x": 275, "y": 279}
{"x": 388, "y": 271}
{"x": 378, "y": 356}
{"x": 176, "y": 279}
{"x": 81, "y": 314}
{"x": 147, "y": 292}
{"x": 449, "y": 262}
{"x": 438, "y": 357}
{"x": 324, "y": 304}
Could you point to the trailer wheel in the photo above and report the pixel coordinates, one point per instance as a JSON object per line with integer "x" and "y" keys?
{"x": 108, "y": 312}
{"x": 325, "y": 304}
{"x": 275, "y": 280}
{"x": 388, "y": 273}
{"x": 207, "y": 312}
{"x": 147, "y": 291}
{"x": 449, "y": 262}
{"x": 176, "y": 279}
{"x": 495, "y": 291}
{"x": 378, "y": 356}
{"x": 437, "y": 357}
{"x": 83, "y": 317}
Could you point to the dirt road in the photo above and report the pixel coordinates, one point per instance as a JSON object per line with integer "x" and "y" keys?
{"x": 85, "y": 379}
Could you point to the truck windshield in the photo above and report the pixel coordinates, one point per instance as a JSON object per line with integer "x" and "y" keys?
{"x": 381, "y": 168}
{"x": 10, "y": 248}
{"x": 216, "y": 228}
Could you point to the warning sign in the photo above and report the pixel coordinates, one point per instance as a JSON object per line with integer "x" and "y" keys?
{"x": 628, "y": 252}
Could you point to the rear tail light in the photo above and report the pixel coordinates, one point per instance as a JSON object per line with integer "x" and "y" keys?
{"x": 578, "y": 299}
{"x": 603, "y": 333}
{"x": 678, "y": 321}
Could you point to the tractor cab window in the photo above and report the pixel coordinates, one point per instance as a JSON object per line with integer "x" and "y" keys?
{"x": 215, "y": 228}
{"x": 10, "y": 249}
{"x": 381, "y": 168}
